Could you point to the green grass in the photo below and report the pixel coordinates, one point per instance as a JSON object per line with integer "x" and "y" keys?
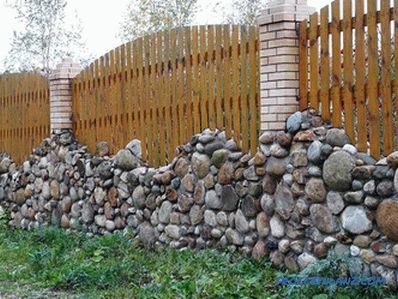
{"x": 51, "y": 263}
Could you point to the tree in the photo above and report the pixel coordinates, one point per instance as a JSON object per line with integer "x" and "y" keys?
{"x": 244, "y": 12}
{"x": 44, "y": 38}
{"x": 147, "y": 16}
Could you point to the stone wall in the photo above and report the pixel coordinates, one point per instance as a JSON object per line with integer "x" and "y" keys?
{"x": 306, "y": 192}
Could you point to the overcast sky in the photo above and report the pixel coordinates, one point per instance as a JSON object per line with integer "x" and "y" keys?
{"x": 101, "y": 21}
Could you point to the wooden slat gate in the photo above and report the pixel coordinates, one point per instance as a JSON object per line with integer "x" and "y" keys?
{"x": 348, "y": 66}
{"x": 166, "y": 87}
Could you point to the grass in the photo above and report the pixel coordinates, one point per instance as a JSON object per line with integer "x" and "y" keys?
{"x": 52, "y": 263}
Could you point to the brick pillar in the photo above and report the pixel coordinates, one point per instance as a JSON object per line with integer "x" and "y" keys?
{"x": 279, "y": 60}
{"x": 61, "y": 95}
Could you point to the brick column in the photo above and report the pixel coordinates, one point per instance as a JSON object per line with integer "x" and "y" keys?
{"x": 61, "y": 95}
{"x": 279, "y": 60}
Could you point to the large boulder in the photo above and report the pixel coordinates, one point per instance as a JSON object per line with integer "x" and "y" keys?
{"x": 337, "y": 171}
{"x": 126, "y": 160}
{"x": 387, "y": 218}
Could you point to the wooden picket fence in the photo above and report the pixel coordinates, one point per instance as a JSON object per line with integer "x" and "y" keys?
{"x": 25, "y": 113}
{"x": 352, "y": 77}
{"x": 163, "y": 88}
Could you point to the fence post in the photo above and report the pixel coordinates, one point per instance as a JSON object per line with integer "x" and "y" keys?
{"x": 279, "y": 60}
{"x": 61, "y": 95}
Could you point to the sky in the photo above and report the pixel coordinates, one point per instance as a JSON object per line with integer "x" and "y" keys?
{"x": 101, "y": 21}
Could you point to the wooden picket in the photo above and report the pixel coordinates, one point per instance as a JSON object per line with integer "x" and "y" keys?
{"x": 348, "y": 70}
{"x": 25, "y": 113}
{"x": 163, "y": 88}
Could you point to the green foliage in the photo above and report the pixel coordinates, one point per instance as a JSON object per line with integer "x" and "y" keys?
{"x": 44, "y": 38}
{"x": 333, "y": 267}
{"x": 51, "y": 263}
{"x": 144, "y": 17}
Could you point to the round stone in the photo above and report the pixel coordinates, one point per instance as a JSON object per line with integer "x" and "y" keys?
{"x": 337, "y": 137}
{"x": 323, "y": 219}
{"x": 387, "y": 218}
{"x": 315, "y": 190}
{"x": 355, "y": 220}
{"x": 337, "y": 171}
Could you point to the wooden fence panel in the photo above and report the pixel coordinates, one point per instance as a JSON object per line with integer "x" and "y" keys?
{"x": 362, "y": 85}
{"x": 25, "y": 106}
{"x": 164, "y": 88}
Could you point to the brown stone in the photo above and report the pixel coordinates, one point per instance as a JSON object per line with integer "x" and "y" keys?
{"x": 269, "y": 184}
{"x": 260, "y": 250}
{"x": 260, "y": 171}
{"x": 321, "y": 250}
{"x": 387, "y": 260}
{"x": 315, "y": 190}
{"x": 284, "y": 139}
{"x": 113, "y": 197}
{"x": 304, "y": 136}
{"x": 226, "y": 174}
{"x": 387, "y": 219}
{"x": 259, "y": 159}
{"x": 181, "y": 167}
{"x": 291, "y": 264}
{"x": 172, "y": 195}
{"x": 163, "y": 178}
{"x": 54, "y": 189}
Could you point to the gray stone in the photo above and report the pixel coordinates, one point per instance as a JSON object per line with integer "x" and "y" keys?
{"x": 355, "y": 197}
{"x": 211, "y": 147}
{"x": 164, "y": 212}
{"x": 335, "y": 202}
{"x": 370, "y": 187}
{"x": 349, "y": 148}
{"x": 196, "y": 215}
{"x": 357, "y": 185}
{"x": 294, "y": 122}
{"x": 134, "y": 147}
{"x": 249, "y": 206}
{"x": 337, "y": 137}
{"x": 267, "y": 204}
{"x": 337, "y": 171}
{"x": 126, "y": 160}
{"x": 385, "y": 188}
{"x": 284, "y": 202}
{"x": 241, "y": 223}
{"x": 173, "y": 231}
{"x": 323, "y": 219}
{"x": 87, "y": 213}
{"x": 355, "y": 220}
{"x": 212, "y": 200}
{"x": 277, "y": 227}
{"x": 250, "y": 174}
{"x": 104, "y": 170}
{"x": 392, "y": 160}
{"x": 371, "y": 202}
{"x": 147, "y": 234}
{"x": 396, "y": 181}
{"x": 100, "y": 220}
{"x": 278, "y": 151}
{"x": 139, "y": 197}
{"x": 234, "y": 237}
{"x": 305, "y": 259}
{"x": 200, "y": 165}
{"x": 298, "y": 158}
{"x": 315, "y": 171}
{"x": 315, "y": 190}
{"x": 210, "y": 218}
{"x": 314, "y": 152}
{"x": 4, "y": 165}
{"x": 229, "y": 198}
{"x": 276, "y": 167}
